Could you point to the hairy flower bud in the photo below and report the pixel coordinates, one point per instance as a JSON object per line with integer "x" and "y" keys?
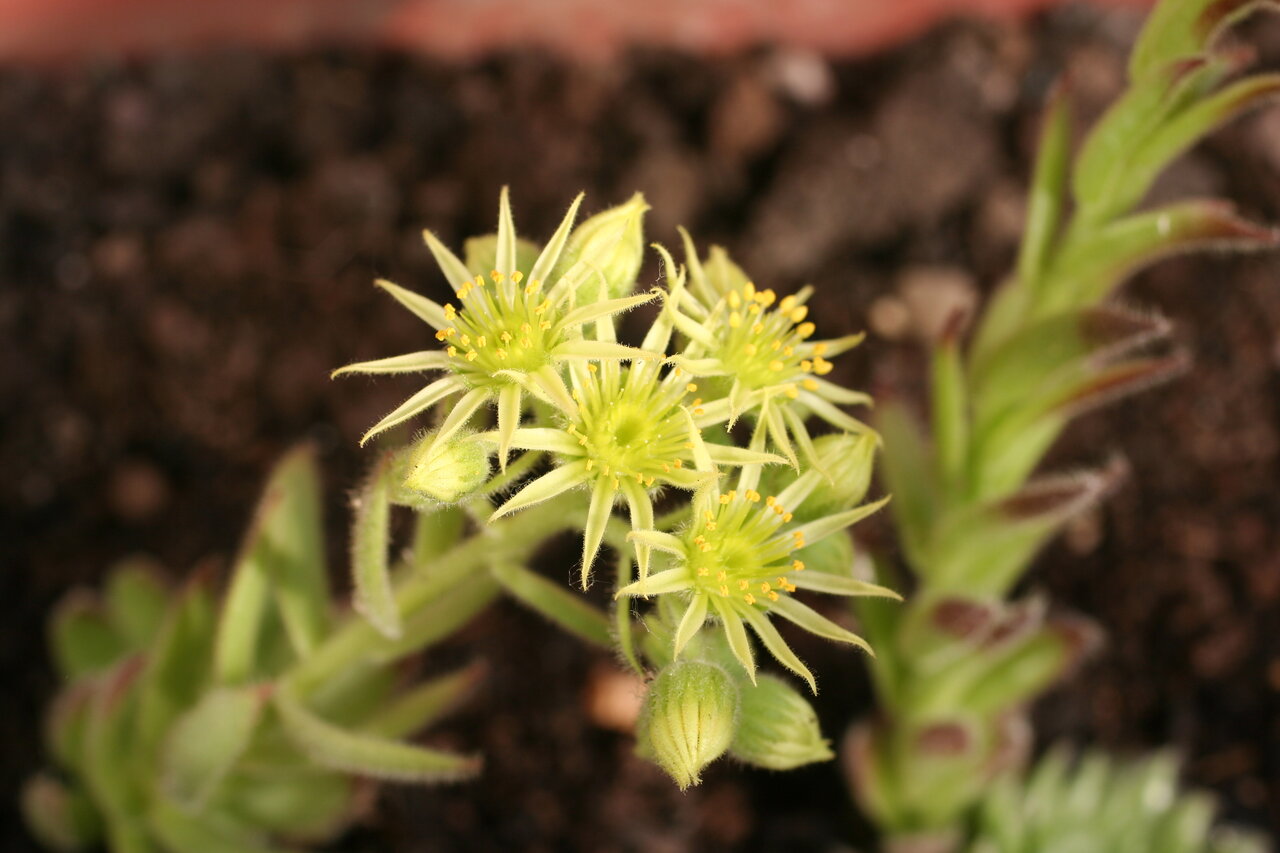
{"x": 777, "y": 729}
{"x": 847, "y": 460}
{"x": 688, "y": 719}
{"x": 446, "y": 471}
{"x": 611, "y": 245}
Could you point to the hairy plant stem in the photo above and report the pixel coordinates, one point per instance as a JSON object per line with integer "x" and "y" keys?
{"x": 510, "y": 538}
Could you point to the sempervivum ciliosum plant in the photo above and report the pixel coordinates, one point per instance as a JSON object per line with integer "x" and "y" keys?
{"x": 515, "y": 326}
{"x": 649, "y": 429}
{"x": 1102, "y": 804}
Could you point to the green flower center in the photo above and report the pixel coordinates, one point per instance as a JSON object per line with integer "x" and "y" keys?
{"x": 500, "y": 327}
{"x": 760, "y": 345}
{"x": 739, "y": 550}
{"x": 634, "y": 428}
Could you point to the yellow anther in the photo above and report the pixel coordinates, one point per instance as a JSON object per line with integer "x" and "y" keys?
{"x": 809, "y": 384}
{"x": 743, "y": 585}
{"x": 505, "y": 336}
{"x": 724, "y": 499}
{"x": 750, "y": 349}
{"x": 453, "y": 351}
{"x": 699, "y": 411}
{"x": 591, "y": 368}
{"x": 775, "y": 345}
{"x": 788, "y": 351}
{"x": 749, "y": 598}
{"x": 753, "y": 496}
{"x": 479, "y": 280}
{"x": 776, "y": 365}
{"x": 465, "y": 340}
{"x": 766, "y": 297}
{"x": 449, "y": 310}
{"x": 709, "y": 515}
{"x": 496, "y": 276}
{"x": 753, "y": 308}
{"x": 472, "y": 356}
{"x": 797, "y": 566}
{"x": 525, "y": 342}
{"x": 804, "y": 330}
{"x": 799, "y": 314}
{"x": 770, "y": 501}
{"x": 710, "y": 525}
{"x": 788, "y": 517}
{"x": 764, "y": 587}
{"x": 779, "y": 509}
{"x": 735, "y": 301}
{"x": 722, "y": 576}
{"x": 749, "y": 290}
{"x": 757, "y": 328}
{"x": 792, "y": 391}
{"x": 724, "y": 590}
{"x": 517, "y": 276}
{"x": 820, "y": 349}
{"x": 679, "y": 463}
{"x": 773, "y": 596}
{"x": 544, "y": 325}
{"x": 735, "y": 319}
{"x": 616, "y": 484}
{"x": 703, "y": 571}
{"x": 787, "y": 303}
{"x": 591, "y": 463}
{"x": 649, "y": 481}
{"x": 822, "y": 367}
{"x": 691, "y": 388}
{"x": 502, "y": 354}
{"x": 481, "y": 341}
{"x": 688, "y": 445}
{"x": 806, "y": 365}
{"x": 440, "y": 335}
{"x": 640, "y": 479}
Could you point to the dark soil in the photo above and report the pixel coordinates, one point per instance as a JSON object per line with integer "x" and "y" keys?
{"x": 186, "y": 250}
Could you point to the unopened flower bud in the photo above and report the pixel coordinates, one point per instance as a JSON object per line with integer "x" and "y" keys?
{"x": 688, "y": 719}
{"x": 446, "y": 471}
{"x": 610, "y": 245}
{"x": 847, "y": 461}
{"x": 777, "y": 727}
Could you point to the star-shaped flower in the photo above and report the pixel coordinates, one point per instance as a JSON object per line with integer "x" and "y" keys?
{"x": 734, "y": 564}
{"x": 513, "y": 333}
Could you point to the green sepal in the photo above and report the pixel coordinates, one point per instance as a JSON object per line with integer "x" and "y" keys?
{"x": 353, "y": 752}
{"x": 1046, "y": 198}
{"x": 555, "y": 602}
{"x": 480, "y": 254}
{"x": 205, "y": 743}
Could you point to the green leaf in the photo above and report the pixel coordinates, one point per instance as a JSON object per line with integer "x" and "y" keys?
{"x": 110, "y": 766}
{"x": 1089, "y": 268}
{"x": 909, "y": 475}
{"x": 558, "y": 604}
{"x": 207, "y": 741}
{"x": 136, "y": 600}
{"x": 1047, "y": 196}
{"x": 367, "y": 755}
{"x": 178, "y": 829}
{"x": 60, "y": 817}
{"x": 81, "y": 637}
{"x": 426, "y": 703}
{"x": 281, "y": 560}
{"x": 309, "y": 807}
{"x": 440, "y": 619}
{"x": 950, "y": 410}
{"x": 374, "y": 596}
{"x": 1182, "y": 29}
{"x": 293, "y": 543}
{"x": 178, "y": 666}
{"x": 981, "y": 550}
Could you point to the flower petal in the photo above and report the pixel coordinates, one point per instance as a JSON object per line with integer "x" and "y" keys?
{"x": 587, "y": 313}
{"x": 505, "y": 258}
{"x": 832, "y": 415}
{"x": 426, "y": 309}
{"x": 821, "y": 528}
{"x": 508, "y": 420}
{"x": 551, "y": 252}
{"x": 839, "y": 394}
{"x": 739, "y": 644}
{"x": 412, "y": 362}
{"x": 598, "y": 514}
{"x": 725, "y": 454}
{"x": 420, "y": 402}
{"x": 598, "y": 351}
{"x": 775, "y": 644}
{"x": 671, "y": 580}
{"x": 694, "y": 617}
{"x": 545, "y": 487}
{"x": 455, "y": 271}
{"x": 538, "y": 438}
{"x": 462, "y": 412}
{"x": 658, "y": 539}
{"x": 815, "y": 623}
{"x": 840, "y": 585}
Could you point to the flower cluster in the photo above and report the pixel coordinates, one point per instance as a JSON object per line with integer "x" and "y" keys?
{"x": 614, "y": 425}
